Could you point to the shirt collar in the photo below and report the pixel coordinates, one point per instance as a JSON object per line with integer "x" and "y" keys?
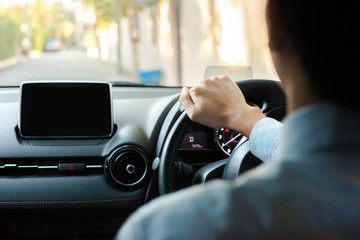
{"x": 318, "y": 128}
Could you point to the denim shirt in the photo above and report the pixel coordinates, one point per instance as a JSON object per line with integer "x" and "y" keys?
{"x": 264, "y": 139}
{"x": 310, "y": 191}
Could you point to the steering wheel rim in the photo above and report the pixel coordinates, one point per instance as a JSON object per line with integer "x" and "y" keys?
{"x": 240, "y": 160}
{"x": 169, "y": 154}
{"x": 272, "y": 97}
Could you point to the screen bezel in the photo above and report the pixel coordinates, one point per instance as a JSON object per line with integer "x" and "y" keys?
{"x": 66, "y": 84}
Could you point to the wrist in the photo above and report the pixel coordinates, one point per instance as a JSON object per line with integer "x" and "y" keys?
{"x": 246, "y": 120}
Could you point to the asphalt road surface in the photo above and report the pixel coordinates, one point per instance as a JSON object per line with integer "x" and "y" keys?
{"x": 63, "y": 65}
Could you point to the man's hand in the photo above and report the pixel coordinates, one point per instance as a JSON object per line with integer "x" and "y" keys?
{"x": 218, "y": 102}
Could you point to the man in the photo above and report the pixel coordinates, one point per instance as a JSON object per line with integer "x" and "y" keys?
{"x": 312, "y": 190}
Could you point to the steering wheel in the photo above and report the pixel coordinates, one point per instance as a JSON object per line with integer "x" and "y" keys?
{"x": 241, "y": 159}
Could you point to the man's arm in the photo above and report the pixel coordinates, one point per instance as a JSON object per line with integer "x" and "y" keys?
{"x": 264, "y": 139}
{"x": 218, "y": 102}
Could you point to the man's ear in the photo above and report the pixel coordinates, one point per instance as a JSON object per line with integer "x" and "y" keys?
{"x": 277, "y": 32}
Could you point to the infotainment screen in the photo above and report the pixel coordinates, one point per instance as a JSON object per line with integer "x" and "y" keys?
{"x": 65, "y": 110}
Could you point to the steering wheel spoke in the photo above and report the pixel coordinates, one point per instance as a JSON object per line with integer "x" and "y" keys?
{"x": 240, "y": 161}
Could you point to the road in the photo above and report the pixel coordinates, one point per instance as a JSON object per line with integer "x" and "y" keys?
{"x": 63, "y": 65}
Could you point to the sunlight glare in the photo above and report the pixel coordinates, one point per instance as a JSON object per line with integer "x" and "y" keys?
{"x": 208, "y": 41}
{"x": 165, "y": 31}
{"x": 232, "y": 49}
{"x": 93, "y": 52}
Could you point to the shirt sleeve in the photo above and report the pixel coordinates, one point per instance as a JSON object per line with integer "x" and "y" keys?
{"x": 264, "y": 139}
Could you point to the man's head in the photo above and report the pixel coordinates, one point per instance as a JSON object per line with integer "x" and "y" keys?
{"x": 324, "y": 35}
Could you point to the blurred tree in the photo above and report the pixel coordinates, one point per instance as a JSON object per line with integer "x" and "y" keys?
{"x": 10, "y": 37}
{"x": 109, "y": 11}
{"x": 68, "y": 29}
{"x": 45, "y": 21}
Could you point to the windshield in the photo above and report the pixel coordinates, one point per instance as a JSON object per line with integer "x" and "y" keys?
{"x": 158, "y": 42}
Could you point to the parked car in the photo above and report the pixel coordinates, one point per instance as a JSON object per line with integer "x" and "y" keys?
{"x": 52, "y": 44}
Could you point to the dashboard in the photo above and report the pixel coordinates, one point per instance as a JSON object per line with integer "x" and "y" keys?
{"x": 44, "y": 182}
{"x": 87, "y": 186}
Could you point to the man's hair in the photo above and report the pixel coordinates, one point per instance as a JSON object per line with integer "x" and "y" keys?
{"x": 326, "y": 35}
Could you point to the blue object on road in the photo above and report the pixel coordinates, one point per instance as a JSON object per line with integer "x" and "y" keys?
{"x": 150, "y": 77}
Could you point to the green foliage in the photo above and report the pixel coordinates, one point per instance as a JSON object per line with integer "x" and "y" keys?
{"x": 106, "y": 9}
{"x": 9, "y": 37}
{"x": 45, "y": 21}
{"x": 50, "y": 20}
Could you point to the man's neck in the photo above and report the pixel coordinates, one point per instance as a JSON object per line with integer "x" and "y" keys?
{"x": 299, "y": 95}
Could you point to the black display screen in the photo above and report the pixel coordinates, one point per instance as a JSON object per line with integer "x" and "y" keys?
{"x": 196, "y": 138}
{"x": 66, "y": 110}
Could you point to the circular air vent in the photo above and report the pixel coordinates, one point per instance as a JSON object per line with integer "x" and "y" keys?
{"x": 126, "y": 166}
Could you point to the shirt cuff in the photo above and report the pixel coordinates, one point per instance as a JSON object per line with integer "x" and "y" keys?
{"x": 264, "y": 139}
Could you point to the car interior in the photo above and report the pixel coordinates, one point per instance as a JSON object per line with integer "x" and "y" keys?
{"x": 80, "y": 149}
{"x": 87, "y": 180}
